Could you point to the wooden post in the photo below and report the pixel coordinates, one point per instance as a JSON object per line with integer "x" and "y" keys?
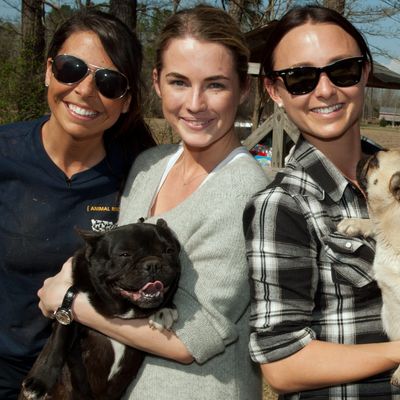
{"x": 259, "y": 133}
{"x": 277, "y": 138}
{"x": 279, "y": 124}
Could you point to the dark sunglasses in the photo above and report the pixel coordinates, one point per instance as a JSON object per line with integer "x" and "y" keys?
{"x": 71, "y": 70}
{"x": 302, "y": 80}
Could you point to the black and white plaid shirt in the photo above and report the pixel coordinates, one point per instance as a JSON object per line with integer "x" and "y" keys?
{"x": 310, "y": 282}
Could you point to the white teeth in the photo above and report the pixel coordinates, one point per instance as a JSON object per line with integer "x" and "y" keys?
{"x": 150, "y": 295}
{"x": 327, "y": 110}
{"x": 197, "y": 122}
{"x": 81, "y": 111}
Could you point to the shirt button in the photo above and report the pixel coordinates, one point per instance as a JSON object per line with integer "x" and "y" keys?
{"x": 348, "y": 245}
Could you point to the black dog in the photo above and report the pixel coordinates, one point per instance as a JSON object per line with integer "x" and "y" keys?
{"x": 129, "y": 272}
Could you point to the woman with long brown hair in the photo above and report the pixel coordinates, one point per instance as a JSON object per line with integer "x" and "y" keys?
{"x": 64, "y": 170}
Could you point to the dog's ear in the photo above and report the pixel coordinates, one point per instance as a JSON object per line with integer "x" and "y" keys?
{"x": 91, "y": 238}
{"x": 394, "y": 185}
{"x": 161, "y": 222}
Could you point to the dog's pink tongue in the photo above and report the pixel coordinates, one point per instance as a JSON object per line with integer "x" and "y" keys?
{"x": 152, "y": 287}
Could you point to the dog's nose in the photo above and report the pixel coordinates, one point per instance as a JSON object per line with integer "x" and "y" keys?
{"x": 152, "y": 265}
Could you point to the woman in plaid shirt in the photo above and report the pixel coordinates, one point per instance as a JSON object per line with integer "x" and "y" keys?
{"x": 316, "y": 326}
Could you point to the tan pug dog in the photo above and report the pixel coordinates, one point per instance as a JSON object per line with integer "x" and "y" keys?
{"x": 379, "y": 178}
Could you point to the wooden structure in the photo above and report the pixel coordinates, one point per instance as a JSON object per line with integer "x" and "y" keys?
{"x": 390, "y": 115}
{"x": 278, "y": 124}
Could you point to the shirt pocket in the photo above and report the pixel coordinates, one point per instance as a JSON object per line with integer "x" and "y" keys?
{"x": 351, "y": 259}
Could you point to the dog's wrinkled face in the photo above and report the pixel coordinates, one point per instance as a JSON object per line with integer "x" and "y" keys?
{"x": 136, "y": 264}
{"x": 379, "y": 177}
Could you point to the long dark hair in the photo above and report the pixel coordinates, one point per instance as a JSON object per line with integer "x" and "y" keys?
{"x": 298, "y": 16}
{"x": 125, "y": 51}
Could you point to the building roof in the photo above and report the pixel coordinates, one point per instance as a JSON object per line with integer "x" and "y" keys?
{"x": 389, "y": 110}
{"x": 383, "y": 77}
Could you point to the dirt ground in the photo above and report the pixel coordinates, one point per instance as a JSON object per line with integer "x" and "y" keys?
{"x": 387, "y": 137}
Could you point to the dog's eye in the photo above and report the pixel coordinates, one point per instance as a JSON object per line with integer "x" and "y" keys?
{"x": 169, "y": 250}
{"x": 375, "y": 181}
{"x": 124, "y": 254}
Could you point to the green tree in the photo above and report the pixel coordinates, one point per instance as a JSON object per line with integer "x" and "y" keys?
{"x": 9, "y": 50}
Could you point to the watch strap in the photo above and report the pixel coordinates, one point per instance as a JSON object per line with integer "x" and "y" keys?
{"x": 69, "y": 298}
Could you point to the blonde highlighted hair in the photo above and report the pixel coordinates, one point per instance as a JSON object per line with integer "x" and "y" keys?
{"x": 209, "y": 24}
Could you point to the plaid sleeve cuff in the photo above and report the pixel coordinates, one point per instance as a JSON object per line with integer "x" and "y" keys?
{"x": 265, "y": 348}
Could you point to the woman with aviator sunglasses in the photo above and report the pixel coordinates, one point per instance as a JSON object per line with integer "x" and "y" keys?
{"x": 316, "y": 326}
{"x": 63, "y": 171}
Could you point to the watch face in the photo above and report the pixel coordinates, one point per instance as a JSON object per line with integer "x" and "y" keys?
{"x": 64, "y": 316}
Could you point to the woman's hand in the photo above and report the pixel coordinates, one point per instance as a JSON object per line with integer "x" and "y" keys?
{"x": 135, "y": 332}
{"x": 52, "y": 292}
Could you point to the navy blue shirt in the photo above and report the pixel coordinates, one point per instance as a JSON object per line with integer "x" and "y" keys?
{"x": 39, "y": 208}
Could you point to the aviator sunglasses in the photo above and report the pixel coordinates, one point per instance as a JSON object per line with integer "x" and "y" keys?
{"x": 302, "y": 80}
{"x": 71, "y": 70}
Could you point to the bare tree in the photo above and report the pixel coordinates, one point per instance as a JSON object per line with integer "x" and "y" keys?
{"x": 125, "y": 10}
{"x": 30, "y": 90}
{"x": 338, "y": 5}
{"x": 32, "y": 28}
{"x": 236, "y": 8}
{"x": 382, "y": 19}
{"x": 175, "y": 6}
{"x": 250, "y": 14}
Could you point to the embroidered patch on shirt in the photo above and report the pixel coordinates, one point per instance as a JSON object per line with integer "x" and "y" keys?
{"x": 99, "y": 225}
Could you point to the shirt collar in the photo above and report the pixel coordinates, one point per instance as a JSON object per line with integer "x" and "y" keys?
{"x": 321, "y": 169}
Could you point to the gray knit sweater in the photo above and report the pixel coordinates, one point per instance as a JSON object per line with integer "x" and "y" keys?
{"x": 213, "y": 295}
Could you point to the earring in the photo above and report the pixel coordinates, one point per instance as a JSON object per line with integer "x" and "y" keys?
{"x": 46, "y": 84}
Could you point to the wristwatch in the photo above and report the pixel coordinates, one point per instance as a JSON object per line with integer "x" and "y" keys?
{"x": 64, "y": 313}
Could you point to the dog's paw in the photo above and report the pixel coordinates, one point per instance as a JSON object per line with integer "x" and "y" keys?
{"x": 34, "y": 389}
{"x": 395, "y": 380}
{"x": 356, "y": 227}
{"x": 163, "y": 319}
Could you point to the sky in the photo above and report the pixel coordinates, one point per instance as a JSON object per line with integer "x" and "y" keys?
{"x": 6, "y": 11}
{"x": 391, "y": 44}
{"x": 393, "y": 65}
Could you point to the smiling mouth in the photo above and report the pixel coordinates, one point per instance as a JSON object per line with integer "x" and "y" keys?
{"x": 197, "y": 123}
{"x": 150, "y": 291}
{"x": 328, "y": 109}
{"x": 80, "y": 111}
